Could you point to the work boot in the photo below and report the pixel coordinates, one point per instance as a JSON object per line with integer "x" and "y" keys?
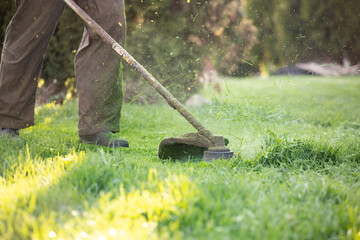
{"x": 107, "y": 139}
{"x": 9, "y": 132}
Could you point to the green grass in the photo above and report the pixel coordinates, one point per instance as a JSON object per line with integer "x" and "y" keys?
{"x": 295, "y": 175}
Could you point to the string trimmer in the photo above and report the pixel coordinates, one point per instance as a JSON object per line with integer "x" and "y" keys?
{"x": 203, "y": 143}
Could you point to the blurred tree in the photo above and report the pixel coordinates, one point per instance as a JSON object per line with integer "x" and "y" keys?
{"x": 174, "y": 38}
{"x": 335, "y": 24}
{"x": 156, "y": 37}
{"x": 224, "y": 35}
{"x": 7, "y": 9}
{"x": 292, "y": 31}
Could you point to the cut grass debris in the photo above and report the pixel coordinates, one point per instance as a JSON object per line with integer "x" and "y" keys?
{"x": 305, "y": 154}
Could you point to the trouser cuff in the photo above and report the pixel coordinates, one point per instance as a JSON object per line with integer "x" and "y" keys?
{"x": 6, "y": 122}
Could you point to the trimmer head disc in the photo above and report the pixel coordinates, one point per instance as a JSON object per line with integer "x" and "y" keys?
{"x": 212, "y": 155}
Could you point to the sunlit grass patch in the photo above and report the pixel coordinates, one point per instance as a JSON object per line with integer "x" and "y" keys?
{"x": 136, "y": 213}
{"x": 20, "y": 184}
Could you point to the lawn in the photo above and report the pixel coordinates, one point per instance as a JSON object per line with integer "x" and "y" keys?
{"x": 295, "y": 175}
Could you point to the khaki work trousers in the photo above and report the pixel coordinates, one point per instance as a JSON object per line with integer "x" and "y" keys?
{"x": 97, "y": 66}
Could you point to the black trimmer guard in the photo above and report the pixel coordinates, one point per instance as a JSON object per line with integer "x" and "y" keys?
{"x": 190, "y": 146}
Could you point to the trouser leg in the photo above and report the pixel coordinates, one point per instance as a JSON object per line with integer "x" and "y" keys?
{"x": 26, "y": 40}
{"x": 97, "y": 69}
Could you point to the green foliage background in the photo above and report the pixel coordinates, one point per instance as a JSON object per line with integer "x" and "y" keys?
{"x": 174, "y": 38}
{"x": 292, "y": 31}
{"x": 171, "y": 38}
{"x": 155, "y": 37}
{"x": 7, "y": 9}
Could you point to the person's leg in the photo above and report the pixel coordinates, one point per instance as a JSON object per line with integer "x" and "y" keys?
{"x": 26, "y": 40}
{"x": 97, "y": 69}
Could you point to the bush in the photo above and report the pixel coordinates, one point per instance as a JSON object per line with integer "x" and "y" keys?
{"x": 300, "y": 31}
{"x": 155, "y": 37}
{"x": 174, "y": 38}
{"x": 7, "y": 9}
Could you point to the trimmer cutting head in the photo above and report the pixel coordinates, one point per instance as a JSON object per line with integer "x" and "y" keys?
{"x": 192, "y": 146}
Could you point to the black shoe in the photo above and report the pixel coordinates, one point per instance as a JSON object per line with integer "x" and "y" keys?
{"x": 9, "y": 132}
{"x": 107, "y": 139}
